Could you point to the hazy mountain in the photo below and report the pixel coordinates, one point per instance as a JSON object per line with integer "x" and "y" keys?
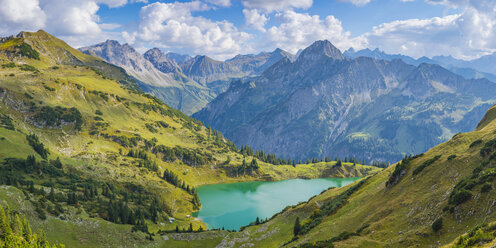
{"x": 178, "y": 58}
{"x": 205, "y": 69}
{"x": 378, "y": 54}
{"x": 256, "y": 64}
{"x": 460, "y": 67}
{"x": 326, "y": 104}
{"x": 484, "y": 64}
{"x": 163, "y": 77}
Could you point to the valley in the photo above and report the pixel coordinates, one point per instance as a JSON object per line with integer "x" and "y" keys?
{"x": 92, "y": 160}
{"x": 247, "y": 124}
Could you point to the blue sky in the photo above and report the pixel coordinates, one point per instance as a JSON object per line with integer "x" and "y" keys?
{"x": 356, "y": 19}
{"x": 224, "y": 28}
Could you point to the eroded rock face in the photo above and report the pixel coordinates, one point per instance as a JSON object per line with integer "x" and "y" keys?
{"x": 161, "y": 62}
{"x": 325, "y": 104}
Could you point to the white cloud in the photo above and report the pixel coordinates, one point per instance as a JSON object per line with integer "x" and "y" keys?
{"x": 110, "y": 26}
{"x": 470, "y": 34}
{"x": 167, "y": 25}
{"x": 275, "y": 5}
{"x": 299, "y": 30}
{"x": 113, "y": 3}
{"x": 359, "y": 2}
{"x": 255, "y": 19}
{"x": 74, "y": 21}
{"x": 77, "y": 17}
{"x": 223, "y": 3}
{"x": 17, "y": 15}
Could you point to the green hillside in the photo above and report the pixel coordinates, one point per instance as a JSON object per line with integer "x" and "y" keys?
{"x": 442, "y": 197}
{"x": 93, "y": 161}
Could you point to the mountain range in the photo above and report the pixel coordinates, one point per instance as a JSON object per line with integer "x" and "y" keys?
{"x": 183, "y": 82}
{"x": 325, "y": 104}
{"x": 467, "y": 69}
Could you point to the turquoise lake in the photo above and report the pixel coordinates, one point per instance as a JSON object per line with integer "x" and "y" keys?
{"x": 237, "y": 204}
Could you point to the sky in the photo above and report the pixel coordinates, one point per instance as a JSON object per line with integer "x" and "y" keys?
{"x": 464, "y": 29}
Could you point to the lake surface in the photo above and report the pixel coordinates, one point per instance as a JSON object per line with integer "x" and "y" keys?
{"x": 237, "y": 204}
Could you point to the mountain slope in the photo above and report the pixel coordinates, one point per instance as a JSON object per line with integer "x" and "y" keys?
{"x": 96, "y": 163}
{"x": 324, "y": 104}
{"x": 397, "y": 207}
{"x": 164, "y": 81}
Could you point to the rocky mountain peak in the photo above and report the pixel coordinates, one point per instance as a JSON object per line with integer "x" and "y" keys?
{"x": 160, "y": 61}
{"x": 321, "y": 48}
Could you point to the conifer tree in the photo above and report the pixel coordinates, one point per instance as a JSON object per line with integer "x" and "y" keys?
{"x": 297, "y": 226}
{"x": 4, "y": 224}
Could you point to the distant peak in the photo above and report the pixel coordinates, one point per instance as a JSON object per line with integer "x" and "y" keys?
{"x": 39, "y": 33}
{"x": 155, "y": 51}
{"x": 112, "y": 42}
{"x": 322, "y": 48}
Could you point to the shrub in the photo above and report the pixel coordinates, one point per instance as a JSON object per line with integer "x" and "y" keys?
{"x": 476, "y": 143}
{"x": 98, "y": 112}
{"x": 27, "y": 51}
{"x": 9, "y": 65}
{"x": 38, "y": 147}
{"x": 425, "y": 164}
{"x": 26, "y": 67}
{"x": 49, "y": 88}
{"x": 6, "y": 122}
{"x": 486, "y": 187}
{"x": 437, "y": 225}
{"x": 54, "y": 116}
{"x": 460, "y": 197}
{"x": 400, "y": 170}
{"x": 488, "y": 148}
{"x": 451, "y": 157}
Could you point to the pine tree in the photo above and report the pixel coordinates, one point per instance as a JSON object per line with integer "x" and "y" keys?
{"x": 297, "y": 226}
{"x": 4, "y": 224}
{"x": 190, "y": 229}
{"x": 16, "y": 225}
{"x": 26, "y": 229}
{"x": 57, "y": 163}
{"x": 51, "y": 195}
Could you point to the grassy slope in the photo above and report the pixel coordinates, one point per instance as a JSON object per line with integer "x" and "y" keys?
{"x": 401, "y": 215}
{"x": 99, "y": 158}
